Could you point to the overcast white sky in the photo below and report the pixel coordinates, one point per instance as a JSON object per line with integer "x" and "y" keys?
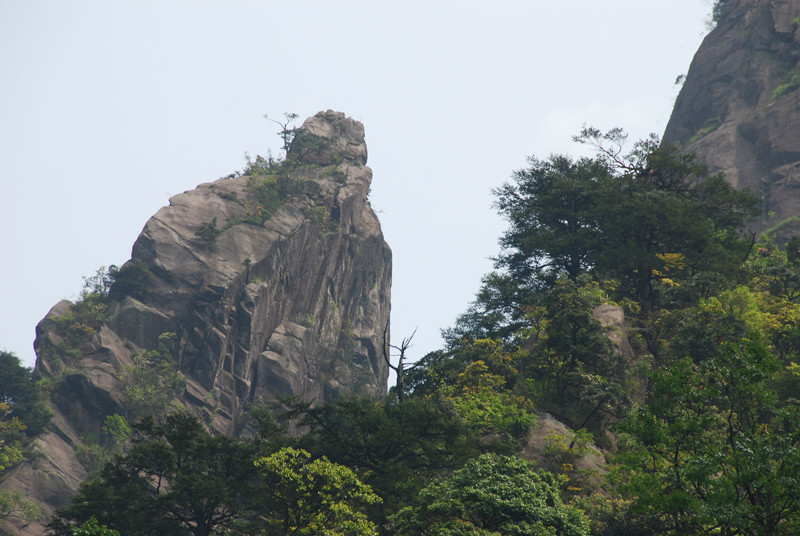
{"x": 109, "y": 107}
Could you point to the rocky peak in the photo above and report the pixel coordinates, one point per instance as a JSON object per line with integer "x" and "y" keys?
{"x": 260, "y": 285}
{"x": 334, "y": 137}
{"x": 739, "y": 108}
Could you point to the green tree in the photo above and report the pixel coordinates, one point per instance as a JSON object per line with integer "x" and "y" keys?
{"x": 91, "y": 528}
{"x": 95, "y": 455}
{"x": 153, "y": 381}
{"x": 394, "y": 447}
{"x": 480, "y": 378}
{"x": 23, "y": 414}
{"x": 114, "y": 283}
{"x": 100, "y": 283}
{"x": 715, "y": 451}
{"x": 130, "y": 279}
{"x": 484, "y": 402}
{"x": 21, "y": 394}
{"x": 11, "y": 452}
{"x": 208, "y": 232}
{"x": 652, "y": 220}
{"x": 11, "y": 431}
{"x": 14, "y": 504}
{"x": 770, "y": 269}
{"x": 493, "y": 495}
{"x": 175, "y": 479}
{"x": 79, "y": 325}
{"x": 564, "y": 363}
{"x": 305, "y": 497}
{"x": 498, "y": 311}
{"x": 286, "y": 132}
{"x": 570, "y": 363}
{"x": 552, "y": 211}
{"x": 661, "y": 204}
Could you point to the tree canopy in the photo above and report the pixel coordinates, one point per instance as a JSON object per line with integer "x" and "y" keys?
{"x": 715, "y": 450}
{"x": 653, "y": 215}
{"x": 19, "y": 392}
{"x": 690, "y": 389}
{"x": 23, "y": 415}
{"x": 493, "y": 495}
{"x": 304, "y": 497}
{"x": 175, "y": 479}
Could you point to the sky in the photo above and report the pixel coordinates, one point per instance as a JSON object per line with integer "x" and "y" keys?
{"x": 109, "y": 107}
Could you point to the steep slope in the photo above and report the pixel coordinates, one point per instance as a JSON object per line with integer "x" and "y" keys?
{"x": 273, "y": 283}
{"x": 739, "y": 108}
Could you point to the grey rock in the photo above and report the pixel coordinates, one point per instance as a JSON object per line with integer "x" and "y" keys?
{"x": 612, "y": 318}
{"x": 297, "y": 305}
{"x": 739, "y": 108}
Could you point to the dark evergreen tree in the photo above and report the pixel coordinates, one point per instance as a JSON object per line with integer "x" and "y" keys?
{"x": 394, "y": 447}
{"x": 647, "y": 219}
{"x": 175, "y": 479}
{"x": 19, "y": 390}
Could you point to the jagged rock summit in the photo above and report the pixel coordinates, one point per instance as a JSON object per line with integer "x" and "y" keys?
{"x": 739, "y": 108}
{"x": 270, "y": 283}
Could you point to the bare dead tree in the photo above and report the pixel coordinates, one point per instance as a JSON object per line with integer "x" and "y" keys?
{"x": 285, "y": 132}
{"x": 401, "y": 367}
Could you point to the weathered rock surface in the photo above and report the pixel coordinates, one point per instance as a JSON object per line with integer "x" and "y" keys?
{"x": 739, "y": 108}
{"x": 297, "y": 305}
{"x": 548, "y": 445}
{"x": 555, "y": 446}
{"x": 612, "y": 318}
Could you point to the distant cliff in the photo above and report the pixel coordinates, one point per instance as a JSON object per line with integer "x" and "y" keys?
{"x": 739, "y": 108}
{"x": 271, "y": 283}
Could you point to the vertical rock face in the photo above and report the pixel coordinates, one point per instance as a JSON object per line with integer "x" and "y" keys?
{"x": 297, "y": 305}
{"x": 739, "y": 108}
{"x": 274, "y": 283}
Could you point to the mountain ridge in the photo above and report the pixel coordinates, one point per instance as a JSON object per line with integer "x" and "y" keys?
{"x": 271, "y": 283}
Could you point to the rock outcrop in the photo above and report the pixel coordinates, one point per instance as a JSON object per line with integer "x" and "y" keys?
{"x": 272, "y": 283}
{"x": 556, "y": 447}
{"x": 739, "y": 108}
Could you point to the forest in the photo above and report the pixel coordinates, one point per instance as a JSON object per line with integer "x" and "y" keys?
{"x": 694, "y": 415}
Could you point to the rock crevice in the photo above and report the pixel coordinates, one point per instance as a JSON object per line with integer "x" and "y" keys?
{"x": 295, "y": 303}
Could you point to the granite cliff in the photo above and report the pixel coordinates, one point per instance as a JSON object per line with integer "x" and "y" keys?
{"x": 264, "y": 284}
{"x": 739, "y": 108}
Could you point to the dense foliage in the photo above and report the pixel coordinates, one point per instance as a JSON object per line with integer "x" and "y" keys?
{"x": 23, "y": 415}
{"x": 175, "y": 479}
{"x": 648, "y": 221}
{"x": 715, "y": 450}
{"x": 21, "y": 396}
{"x": 308, "y": 497}
{"x": 493, "y": 495}
{"x": 692, "y": 397}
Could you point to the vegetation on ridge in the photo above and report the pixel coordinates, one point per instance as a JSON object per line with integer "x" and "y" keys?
{"x": 275, "y": 181}
{"x": 698, "y": 418}
{"x": 23, "y": 415}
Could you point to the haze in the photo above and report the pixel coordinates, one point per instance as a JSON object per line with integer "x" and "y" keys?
{"x": 109, "y": 108}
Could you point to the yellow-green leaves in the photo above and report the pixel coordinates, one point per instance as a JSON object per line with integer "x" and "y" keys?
{"x": 10, "y": 452}
{"x": 493, "y": 495}
{"x": 306, "y": 497}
